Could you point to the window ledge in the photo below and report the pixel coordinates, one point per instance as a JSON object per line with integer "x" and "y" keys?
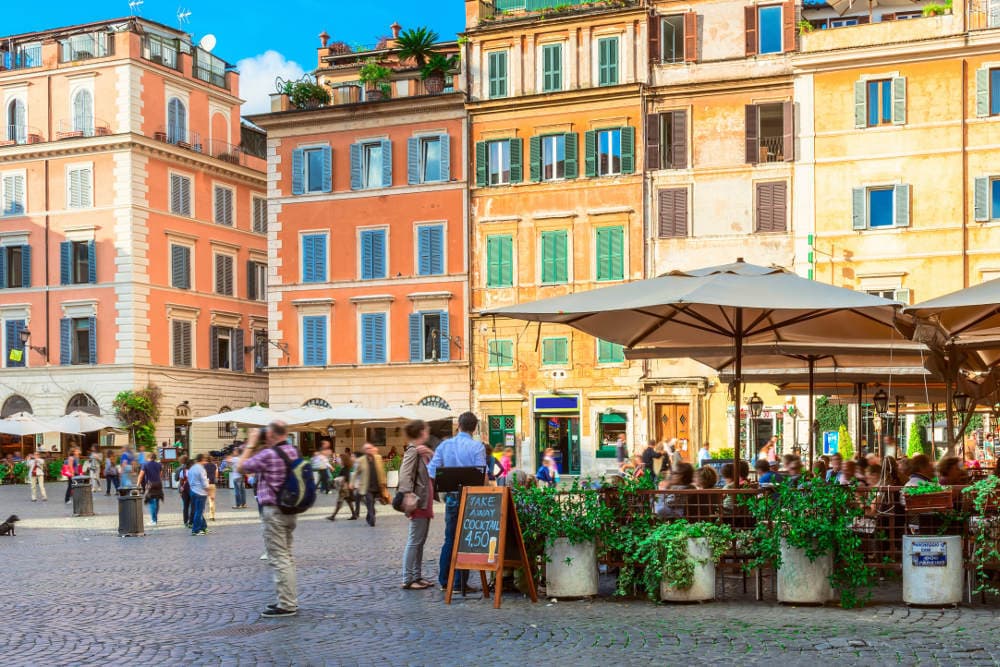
{"x": 373, "y": 298}
{"x": 427, "y": 296}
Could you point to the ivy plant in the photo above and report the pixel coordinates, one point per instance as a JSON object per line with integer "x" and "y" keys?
{"x": 925, "y": 488}
{"x": 548, "y": 513}
{"x": 985, "y": 531}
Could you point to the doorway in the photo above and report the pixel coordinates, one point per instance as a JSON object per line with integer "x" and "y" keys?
{"x": 563, "y": 435}
{"x": 673, "y": 420}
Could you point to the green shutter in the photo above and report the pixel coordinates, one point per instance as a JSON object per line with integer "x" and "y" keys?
{"x": 610, "y": 253}
{"x": 858, "y": 218}
{"x": 498, "y": 74}
{"x": 554, "y": 257}
{"x": 982, "y": 198}
{"x": 590, "y": 153}
{"x": 501, "y": 353}
{"x": 535, "y": 159}
{"x": 572, "y": 166}
{"x": 609, "y": 353}
{"x": 499, "y": 261}
{"x": 516, "y": 155}
{"x": 551, "y": 67}
{"x": 982, "y": 92}
{"x": 482, "y": 163}
{"x": 555, "y": 351}
{"x": 628, "y": 150}
{"x": 860, "y": 105}
{"x": 607, "y": 61}
{"x": 899, "y": 100}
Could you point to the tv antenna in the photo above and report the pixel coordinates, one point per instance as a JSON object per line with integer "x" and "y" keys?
{"x": 135, "y": 7}
{"x": 183, "y": 16}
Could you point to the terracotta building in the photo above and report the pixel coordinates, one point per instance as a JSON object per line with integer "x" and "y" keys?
{"x": 132, "y": 226}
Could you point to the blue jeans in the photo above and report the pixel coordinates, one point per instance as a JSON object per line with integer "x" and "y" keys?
{"x": 239, "y": 492}
{"x": 154, "y": 508}
{"x": 198, "y": 522}
{"x": 451, "y": 502}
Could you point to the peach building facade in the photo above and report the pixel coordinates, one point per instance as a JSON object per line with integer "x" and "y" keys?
{"x": 132, "y": 227}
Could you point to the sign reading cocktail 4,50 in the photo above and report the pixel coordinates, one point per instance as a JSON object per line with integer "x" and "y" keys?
{"x": 481, "y": 525}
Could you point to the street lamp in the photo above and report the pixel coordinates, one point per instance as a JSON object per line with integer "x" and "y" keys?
{"x": 25, "y": 335}
{"x": 881, "y": 401}
{"x": 755, "y": 405}
{"x": 962, "y": 403}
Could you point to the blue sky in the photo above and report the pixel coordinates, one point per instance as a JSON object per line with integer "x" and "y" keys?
{"x": 288, "y": 28}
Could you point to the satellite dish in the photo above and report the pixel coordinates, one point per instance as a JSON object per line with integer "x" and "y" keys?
{"x": 207, "y": 42}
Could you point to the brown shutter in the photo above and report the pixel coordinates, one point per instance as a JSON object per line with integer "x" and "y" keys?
{"x": 765, "y": 208}
{"x": 678, "y": 140}
{"x": 788, "y": 20}
{"x": 753, "y": 149}
{"x": 654, "y": 37}
{"x": 887, "y": 17}
{"x": 750, "y": 13}
{"x": 866, "y": 19}
{"x": 691, "y": 37}
{"x": 653, "y": 141}
{"x": 788, "y": 130}
{"x": 779, "y": 212}
{"x": 672, "y": 212}
{"x": 771, "y": 207}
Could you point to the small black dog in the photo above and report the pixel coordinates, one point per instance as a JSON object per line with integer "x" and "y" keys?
{"x": 7, "y": 527}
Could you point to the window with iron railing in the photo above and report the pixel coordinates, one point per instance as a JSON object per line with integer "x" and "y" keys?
{"x": 209, "y": 68}
{"x": 22, "y": 56}
{"x": 160, "y": 50}
{"x": 85, "y": 46}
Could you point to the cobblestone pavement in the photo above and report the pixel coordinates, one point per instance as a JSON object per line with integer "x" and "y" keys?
{"x": 75, "y": 593}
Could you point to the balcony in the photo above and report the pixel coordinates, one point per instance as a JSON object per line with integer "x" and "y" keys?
{"x": 220, "y": 150}
{"x": 771, "y": 149}
{"x": 881, "y": 33}
{"x": 21, "y": 56}
{"x": 73, "y": 129}
{"x": 161, "y": 51}
{"x": 19, "y": 135}
{"x": 984, "y": 14}
{"x": 86, "y": 46}
{"x": 495, "y": 10}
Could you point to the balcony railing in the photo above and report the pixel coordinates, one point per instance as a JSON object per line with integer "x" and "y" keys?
{"x": 86, "y": 46}
{"x": 496, "y": 8}
{"x": 220, "y": 150}
{"x": 984, "y": 14}
{"x": 160, "y": 51}
{"x": 71, "y": 129}
{"x": 771, "y": 149}
{"x": 23, "y": 56}
{"x": 17, "y": 135}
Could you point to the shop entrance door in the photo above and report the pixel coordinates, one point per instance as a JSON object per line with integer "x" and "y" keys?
{"x": 563, "y": 435}
{"x": 673, "y": 420}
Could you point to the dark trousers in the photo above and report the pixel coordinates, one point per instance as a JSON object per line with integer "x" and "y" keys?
{"x": 369, "y": 499}
{"x": 186, "y": 507}
{"x": 111, "y": 479}
{"x": 69, "y": 489}
{"x": 451, "y": 502}
{"x": 198, "y": 502}
{"x": 324, "y": 481}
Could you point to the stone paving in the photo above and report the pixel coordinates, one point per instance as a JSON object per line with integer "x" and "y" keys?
{"x": 76, "y": 594}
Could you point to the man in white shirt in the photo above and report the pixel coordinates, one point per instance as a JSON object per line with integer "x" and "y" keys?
{"x": 36, "y": 476}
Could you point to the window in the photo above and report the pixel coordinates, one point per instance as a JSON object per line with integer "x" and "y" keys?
{"x": 208, "y": 68}
{"x": 552, "y": 79}
{"x": 83, "y": 113}
{"x": 609, "y": 353}
{"x": 259, "y": 214}
{"x": 499, "y": 173}
{"x": 371, "y": 165}
{"x": 17, "y": 122}
{"x": 498, "y": 162}
{"x": 26, "y": 56}
{"x": 161, "y": 50}
{"x": 180, "y": 266}
{"x": 988, "y": 82}
{"x": 666, "y": 140}
{"x": 314, "y": 258}
{"x": 312, "y": 170}
{"x": 672, "y": 37}
{"x": 770, "y": 132}
{"x": 78, "y": 341}
{"x": 497, "y": 73}
{"x": 79, "y": 188}
{"x": 987, "y": 198}
{"x": 226, "y": 348}
{"x": 610, "y": 253}
{"x": 610, "y": 152}
{"x": 13, "y": 194}
{"x": 224, "y": 274}
{"x": 176, "y": 121}
{"x": 770, "y": 215}
{"x": 180, "y": 343}
{"x": 555, "y": 351}
{"x": 85, "y": 46}
{"x": 880, "y": 102}
{"x": 500, "y": 260}
{"x": 373, "y": 335}
{"x": 548, "y": 156}
{"x": 607, "y": 61}
{"x": 672, "y": 212}
{"x": 180, "y": 195}
{"x": 373, "y": 254}
{"x": 12, "y": 341}
{"x": 372, "y": 169}
{"x": 259, "y": 350}
{"x": 430, "y": 336}
{"x": 314, "y": 347}
{"x": 429, "y": 159}
{"x": 223, "y": 200}
{"x": 501, "y": 353}
{"x": 256, "y": 281}
{"x": 843, "y": 23}
{"x": 15, "y": 266}
{"x": 77, "y": 262}
{"x": 430, "y": 250}
{"x": 769, "y": 29}
{"x": 554, "y": 252}
{"x": 881, "y": 207}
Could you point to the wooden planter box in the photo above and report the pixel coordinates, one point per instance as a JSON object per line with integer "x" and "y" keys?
{"x": 928, "y": 502}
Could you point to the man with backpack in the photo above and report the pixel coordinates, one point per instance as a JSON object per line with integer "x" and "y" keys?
{"x": 278, "y": 466}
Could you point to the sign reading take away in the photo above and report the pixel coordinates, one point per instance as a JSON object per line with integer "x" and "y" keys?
{"x": 929, "y": 554}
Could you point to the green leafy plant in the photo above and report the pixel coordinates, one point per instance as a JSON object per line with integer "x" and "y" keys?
{"x": 438, "y": 65}
{"x": 138, "y": 412}
{"x": 662, "y": 556}
{"x": 845, "y": 444}
{"x": 20, "y": 472}
{"x": 915, "y": 442}
{"x": 416, "y": 43}
{"x": 830, "y": 416}
{"x": 548, "y": 513}
{"x": 53, "y": 469}
{"x": 818, "y": 518}
{"x": 804, "y": 27}
{"x": 5, "y": 471}
{"x": 306, "y": 94}
{"x": 935, "y": 9}
{"x": 925, "y": 488}
{"x": 985, "y": 531}
{"x": 724, "y": 453}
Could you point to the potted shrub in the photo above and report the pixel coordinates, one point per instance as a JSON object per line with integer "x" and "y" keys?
{"x": 375, "y": 77}
{"x": 984, "y": 528}
{"x": 676, "y": 561}
{"x": 392, "y": 467}
{"x": 567, "y": 524}
{"x": 434, "y": 72}
{"x": 806, "y": 532}
{"x": 306, "y": 94}
{"x": 926, "y": 498}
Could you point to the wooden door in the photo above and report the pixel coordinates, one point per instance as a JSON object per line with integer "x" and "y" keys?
{"x": 673, "y": 420}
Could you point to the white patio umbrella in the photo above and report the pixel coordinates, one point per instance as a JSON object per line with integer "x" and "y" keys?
{"x": 254, "y": 415}
{"x": 24, "y": 423}
{"x": 427, "y": 413}
{"x": 84, "y": 422}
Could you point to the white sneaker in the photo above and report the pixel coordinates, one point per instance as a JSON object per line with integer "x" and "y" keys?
{"x": 263, "y": 557}
{"x": 152, "y": 523}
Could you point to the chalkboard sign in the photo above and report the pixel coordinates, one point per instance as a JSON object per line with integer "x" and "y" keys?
{"x": 488, "y": 539}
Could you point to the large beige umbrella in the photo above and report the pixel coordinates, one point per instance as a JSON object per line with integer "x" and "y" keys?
{"x": 254, "y": 415}
{"x": 427, "y": 413}
{"x": 84, "y": 422}
{"x": 25, "y": 423}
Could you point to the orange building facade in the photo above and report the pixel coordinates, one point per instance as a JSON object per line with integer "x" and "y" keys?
{"x": 132, "y": 227}
{"x": 368, "y": 290}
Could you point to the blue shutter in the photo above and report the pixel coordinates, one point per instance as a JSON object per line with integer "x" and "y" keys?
{"x": 213, "y": 346}
{"x": 308, "y": 260}
{"x": 423, "y": 251}
{"x": 367, "y": 255}
{"x": 386, "y": 163}
{"x": 314, "y": 340}
{"x": 413, "y": 160}
{"x": 445, "y": 157}
{"x": 298, "y": 171}
{"x": 416, "y": 337}
{"x": 13, "y": 334}
{"x": 65, "y": 262}
{"x": 373, "y": 349}
{"x": 3, "y": 267}
{"x": 92, "y": 330}
{"x": 357, "y": 183}
{"x": 436, "y": 249}
{"x": 92, "y": 262}
{"x": 65, "y": 341}
{"x": 378, "y": 254}
{"x": 445, "y": 338}
{"x": 379, "y": 338}
{"x": 327, "y": 169}
{"x": 26, "y": 266}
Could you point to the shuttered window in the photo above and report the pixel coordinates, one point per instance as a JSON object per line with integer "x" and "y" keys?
{"x": 553, "y": 157}
{"x": 430, "y": 250}
{"x": 314, "y": 257}
{"x": 428, "y": 159}
{"x": 497, "y": 74}
{"x": 672, "y": 212}
{"x": 554, "y": 252}
{"x": 224, "y": 274}
{"x": 259, "y": 205}
{"x": 609, "y": 353}
{"x": 666, "y": 140}
{"x": 501, "y": 353}
{"x": 607, "y": 61}
{"x": 80, "y": 188}
{"x": 987, "y": 198}
{"x": 77, "y": 262}
{"x": 555, "y": 351}
{"x": 314, "y": 345}
{"x": 15, "y": 266}
{"x": 180, "y": 195}
{"x": 256, "y": 281}
{"x": 83, "y": 113}
{"x": 881, "y": 207}
{"x": 610, "y": 254}
{"x": 500, "y": 260}
{"x": 609, "y": 152}
{"x": 12, "y": 339}
{"x": 880, "y": 102}
{"x": 552, "y": 78}
{"x": 771, "y": 207}
{"x": 988, "y": 87}
{"x": 180, "y": 343}
{"x": 223, "y": 198}
{"x": 226, "y": 348}
{"x": 12, "y": 194}
{"x": 373, "y": 254}
{"x": 371, "y": 165}
{"x": 430, "y": 336}
{"x": 312, "y": 170}
{"x": 373, "y": 338}
{"x": 180, "y": 266}
{"x": 77, "y": 340}
{"x": 499, "y": 162}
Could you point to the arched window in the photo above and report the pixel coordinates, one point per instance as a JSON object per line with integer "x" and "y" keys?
{"x": 176, "y": 121}
{"x": 83, "y": 403}
{"x": 83, "y": 113}
{"x": 315, "y": 403}
{"x": 227, "y": 430}
{"x": 17, "y": 122}
{"x": 13, "y": 405}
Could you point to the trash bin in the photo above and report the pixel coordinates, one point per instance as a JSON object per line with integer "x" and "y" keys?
{"x": 83, "y": 496}
{"x": 130, "y": 512}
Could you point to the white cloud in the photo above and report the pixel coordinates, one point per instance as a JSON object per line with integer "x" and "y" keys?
{"x": 257, "y": 75}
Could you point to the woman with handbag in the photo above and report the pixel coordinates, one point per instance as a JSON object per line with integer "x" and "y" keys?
{"x": 415, "y": 497}
{"x": 71, "y": 467}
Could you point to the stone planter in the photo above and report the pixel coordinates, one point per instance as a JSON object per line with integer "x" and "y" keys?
{"x": 434, "y": 83}
{"x": 571, "y": 569}
{"x": 703, "y": 586}
{"x": 374, "y": 95}
{"x": 801, "y": 581}
{"x": 932, "y": 570}
{"x": 392, "y": 478}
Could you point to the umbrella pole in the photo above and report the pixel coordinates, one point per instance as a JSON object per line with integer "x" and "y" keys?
{"x": 812, "y": 407}
{"x": 860, "y": 386}
{"x": 737, "y": 467}
{"x": 949, "y": 414}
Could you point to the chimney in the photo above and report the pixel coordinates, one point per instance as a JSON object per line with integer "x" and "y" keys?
{"x": 323, "y": 39}
{"x": 395, "y": 27}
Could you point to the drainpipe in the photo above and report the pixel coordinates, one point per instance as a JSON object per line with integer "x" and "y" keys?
{"x": 965, "y": 178}
{"x": 48, "y": 317}
{"x": 469, "y": 169}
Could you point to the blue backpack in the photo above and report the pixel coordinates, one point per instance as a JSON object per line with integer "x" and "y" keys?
{"x": 298, "y": 491}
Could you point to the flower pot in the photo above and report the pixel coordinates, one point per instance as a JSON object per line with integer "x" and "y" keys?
{"x": 434, "y": 83}
{"x": 801, "y": 581}
{"x": 703, "y": 586}
{"x": 932, "y": 570}
{"x": 373, "y": 95}
{"x": 392, "y": 478}
{"x": 927, "y": 503}
{"x": 571, "y": 570}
